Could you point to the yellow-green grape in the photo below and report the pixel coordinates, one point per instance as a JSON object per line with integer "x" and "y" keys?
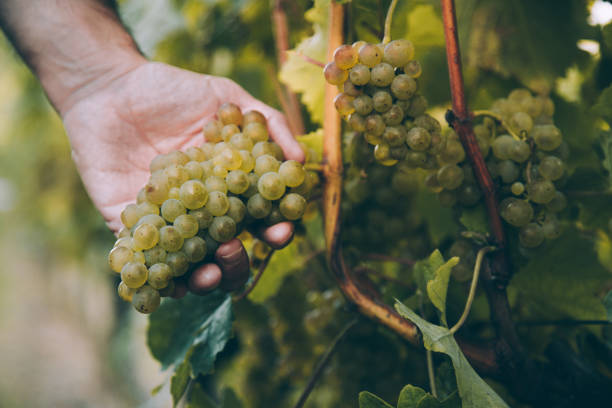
{"x": 159, "y": 162}
{"x": 176, "y": 175}
{"x": 187, "y": 225}
{"x": 292, "y": 173}
{"x": 141, "y": 197}
{"x": 194, "y": 249}
{"x": 125, "y": 292}
{"x": 370, "y": 55}
{"x": 253, "y": 116}
{"x": 382, "y": 75}
{"x": 418, "y": 139}
{"x": 394, "y": 135}
{"x": 146, "y": 299}
{"x": 134, "y": 274}
{"x": 547, "y": 137}
{"x": 155, "y": 255}
{"x": 218, "y": 203}
{"x": 178, "y": 262}
{"x": 450, "y": 176}
{"x": 515, "y": 211}
{"x": 194, "y": 170}
{"x": 418, "y": 106}
{"x": 241, "y": 141}
{"x": 521, "y": 122}
{"x": 177, "y": 157}
{"x": 152, "y": 219}
{"x": 292, "y": 206}
{"x": 160, "y": 275}
{"x": 130, "y": 215}
{"x": 453, "y": 152}
{"x": 248, "y": 161}
{"x": 214, "y": 183}
{"x": 344, "y": 104}
{"x": 228, "y": 158}
{"x": 123, "y": 242}
{"x": 237, "y": 209}
{"x": 228, "y": 131}
{"x": 170, "y": 238}
{"x": 262, "y": 148}
{"x": 156, "y": 190}
{"x": 207, "y": 169}
{"x": 118, "y": 257}
{"x": 503, "y": 146}
{"x": 203, "y": 216}
{"x": 345, "y": 56}
{"x": 193, "y": 194}
{"x": 252, "y": 190}
{"x": 258, "y": 207}
{"x": 520, "y": 151}
{"x": 207, "y": 148}
{"x": 403, "y": 87}
{"x": 195, "y": 154}
{"x": 531, "y": 235}
{"x": 257, "y": 132}
{"x": 356, "y": 122}
{"x": 517, "y": 188}
{"x": 212, "y": 131}
{"x": 139, "y": 257}
{"x": 147, "y": 208}
{"x": 333, "y": 74}
{"x": 230, "y": 113}
{"x": 222, "y": 229}
{"x": 375, "y": 125}
{"x": 172, "y": 208}
{"x": 265, "y": 164}
{"x": 394, "y": 116}
{"x": 350, "y": 88}
{"x": 398, "y": 52}
{"x": 218, "y": 148}
{"x": 541, "y": 192}
{"x": 145, "y": 236}
{"x": 304, "y": 189}
{"x": 413, "y": 69}
{"x": 237, "y": 181}
{"x": 382, "y": 101}
{"x": 174, "y": 192}
{"x": 382, "y": 154}
{"x": 551, "y": 168}
{"x": 359, "y": 75}
{"x": 363, "y": 104}
{"x": 124, "y": 232}
{"x": 271, "y": 186}
{"x": 219, "y": 171}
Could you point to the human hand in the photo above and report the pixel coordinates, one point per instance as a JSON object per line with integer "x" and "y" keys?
{"x": 117, "y": 128}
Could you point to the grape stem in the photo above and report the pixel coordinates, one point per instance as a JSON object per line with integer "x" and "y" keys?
{"x": 314, "y": 167}
{"x": 310, "y": 60}
{"x": 431, "y": 374}
{"x": 260, "y": 271}
{"x": 388, "y": 21}
{"x": 472, "y": 293}
{"x": 498, "y": 118}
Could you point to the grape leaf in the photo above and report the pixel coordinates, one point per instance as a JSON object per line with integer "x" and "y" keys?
{"x": 603, "y": 107}
{"x": 314, "y": 140}
{"x": 199, "y": 399}
{"x": 302, "y": 76}
{"x": 369, "y": 400}
{"x": 179, "y": 381}
{"x": 193, "y": 329}
{"x": 439, "y": 220}
{"x": 410, "y": 396}
{"x": 475, "y": 219}
{"x": 474, "y": 392}
{"x": 438, "y": 286}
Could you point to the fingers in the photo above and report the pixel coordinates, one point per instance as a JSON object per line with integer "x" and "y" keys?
{"x": 234, "y": 262}
{"x": 205, "y": 279}
{"x": 277, "y": 236}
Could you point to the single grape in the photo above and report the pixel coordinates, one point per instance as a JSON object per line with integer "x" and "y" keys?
{"x": 145, "y": 236}
{"x": 345, "y": 56}
{"x": 218, "y": 203}
{"x": 520, "y": 151}
{"x": 531, "y": 235}
{"x": 195, "y": 154}
{"x": 418, "y": 106}
{"x": 139, "y": 257}
{"x": 413, "y": 69}
{"x": 453, "y": 152}
{"x": 351, "y": 89}
{"x": 152, "y": 219}
{"x": 416, "y": 159}
{"x": 363, "y": 104}
{"x": 156, "y": 190}
{"x": 203, "y": 216}
{"x": 176, "y": 175}
{"x": 160, "y": 275}
{"x": 551, "y": 168}
{"x": 292, "y": 173}
{"x": 547, "y": 137}
{"x": 359, "y": 74}
{"x": 187, "y": 225}
{"x": 382, "y": 75}
{"x": 178, "y": 262}
{"x": 394, "y": 135}
{"x": 394, "y": 116}
{"x": 502, "y": 147}
{"x": 241, "y": 141}
{"x": 134, "y": 274}
{"x": 541, "y": 192}
{"x": 147, "y": 208}
{"x": 170, "y": 238}
{"x": 418, "y": 139}
{"x": 356, "y": 122}
{"x": 257, "y": 132}
{"x": 521, "y": 122}
{"x": 468, "y": 195}
{"x": 212, "y": 131}
{"x": 252, "y": 190}
{"x": 403, "y": 87}
{"x": 118, "y": 257}
{"x": 124, "y": 232}
{"x": 193, "y": 194}
{"x": 159, "y": 162}
{"x": 382, "y": 153}
{"x": 228, "y": 131}
{"x": 271, "y": 186}
{"x": 155, "y": 255}
{"x": 558, "y": 202}
{"x": 248, "y": 161}
{"x": 262, "y": 148}
{"x": 222, "y": 229}
{"x": 258, "y": 207}
{"x": 508, "y": 171}
{"x": 398, "y": 52}
{"x": 375, "y": 125}
{"x": 228, "y": 158}
{"x": 146, "y": 299}
{"x": 130, "y": 215}
{"x": 237, "y": 209}
{"x": 265, "y": 164}
{"x": 450, "y": 176}
{"x": 214, "y": 183}
{"x": 177, "y": 157}
{"x": 230, "y": 113}
{"x": 125, "y": 292}
{"x": 333, "y": 74}
{"x": 382, "y": 101}
{"x": 516, "y": 212}
{"x": 237, "y": 181}
{"x": 195, "y": 249}
{"x": 292, "y": 206}
{"x": 171, "y": 209}
{"x": 194, "y": 170}
{"x": 551, "y": 227}
{"x": 252, "y": 117}
{"x": 123, "y": 242}
{"x": 517, "y": 188}
{"x": 370, "y": 55}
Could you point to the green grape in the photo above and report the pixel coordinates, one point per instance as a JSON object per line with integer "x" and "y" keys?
{"x": 356, "y": 122}
{"x": 416, "y": 159}
{"x": 214, "y": 183}
{"x": 403, "y": 87}
{"x": 429, "y": 123}
{"x": 277, "y": 152}
{"x": 219, "y": 171}
{"x": 453, "y": 152}
{"x": 516, "y": 212}
{"x": 222, "y": 229}
{"x": 359, "y": 74}
{"x": 265, "y": 164}
{"x": 517, "y": 188}
{"x": 160, "y": 275}
{"x": 177, "y": 158}
{"x": 344, "y": 104}
{"x": 520, "y": 151}
{"x": 258, "y": 207}
{"x": 394, "y": 116}
{"x": 172, "y": 208}
{"x": 551, "y": 168}
{"x": 207, "y": 169}
{"x": 141, "y": 197}
{"x": 450, "y": 176}
{"x": 541, "y": 192}
{"x": 212, "y": 131}
{"x": 413, "y": 69}
{"x": 130, "y": 215}
{"x": 195, "y": 249}
{"x": 217, "y": 204}
{"x": 146, "y": 299}
{"x": 382, "y": 75}
{"x": 237, "y": 209}
{"x": 228, "y": 158}
{"x": 333, "y": 74}
{"x": 187, "y": 225}
{"x": 194, "y": 170}
{"x": 372, "y": 138}
{"x": 253, "y": 117}
{"x": 145, "y": 236}
{"x": 558, "y": 202}
{"x": 230, "y": 113}
{"x": 207, "y": 148}
{"x": 248, "y": 161}
{"x": 351, "y": 89}
{"x": 418, "y": 106}
{"x": 257, "y": 132}
{"x": 252, "y": 190}
{"x": 304, "y": 189}
{"x": 398, "y": 52}
{"x": 398, "y": 152}
{"x": 418, "y": 139}
{"x": 274, "y": 217}
{"x": 521, "y": 122}
{"x": 124, "y": 232}
{"x": 531, "y": 235}
{"x": 292, "y": 206}
{"x": 237, "y": 181}
{"x": 370, "y": 55}
{"x": 508, "y": 171}
{"x": 123, "y": 242}
{"x": 155, "y": 255}
{"x": 159, "y": 162}
{"x": 152, "y": 219}
{"x": 170, "y": 238}
{"x": 271, "y": 186}
{"x": 203, "y": 216}
{"x": 174, "y": 192}
{"x": 125, "y": 292}
{"x": 134, "y": 274}
{"x": 178, "y": 262}
{"x": 147, "y": 208}
{"x": 375, "y": 125}
{"x": 292, "y": 173}
{"x": 382, "y": 101}
{"x": 394, "y": 135}
{"x": 118, "y": 257}
{"x": 519, "y": 95}
{"x": 228, "y": 131}
{"x": 195, "y": 154}
{"x": 262, "y": 148}
{"x": 176, "y": 175}
{"x": 345, "y": 56}
{"x": 363, "y": 104}
{"x": 241, "y": 141}
{"x": 218, "y": 148}
{"x": 547, "y": 137}
{"x": 551, "y": 228}
{"x": 469, "y": 195}
{"x": 502, "y": 147}
{"x": 447, "y": 198}
{"x": 193, "y": 194}
{"x": 138, "y": 257}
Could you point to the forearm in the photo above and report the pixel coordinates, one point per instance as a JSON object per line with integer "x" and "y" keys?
{"x": 74, "y": 46}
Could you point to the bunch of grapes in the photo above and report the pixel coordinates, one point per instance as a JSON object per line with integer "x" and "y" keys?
{"x": 380, "y": 100}
{"x": 525, "y": 156}
{"x": 200, "y": 198}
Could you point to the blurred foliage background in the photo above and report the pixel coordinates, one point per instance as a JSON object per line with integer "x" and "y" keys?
{"x": 66, "y": 340}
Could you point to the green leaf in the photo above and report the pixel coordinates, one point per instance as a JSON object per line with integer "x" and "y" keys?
{"x": 452, "y": 401}
{"x": 603, "y": 107}
{"x": 439, "y": 220}
{"x": 410, "y": 396}
{"x": 314, "y": 140}
{"x": 474, "y": 392}
{"x": 230, "y": 399}
{"x": 302, "y": 76}
{"x": 179, "y": 381}
{"x": 193, "y": 329}
{"x": 608, "y": 304}
{"x": 199, "y": 399}
{"x": 369, "y": 400}
{"x": 475, "y": 219}
{"x": 428, "y": 401}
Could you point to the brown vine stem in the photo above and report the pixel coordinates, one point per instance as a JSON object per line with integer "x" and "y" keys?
{"x": 260, "y": 271}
